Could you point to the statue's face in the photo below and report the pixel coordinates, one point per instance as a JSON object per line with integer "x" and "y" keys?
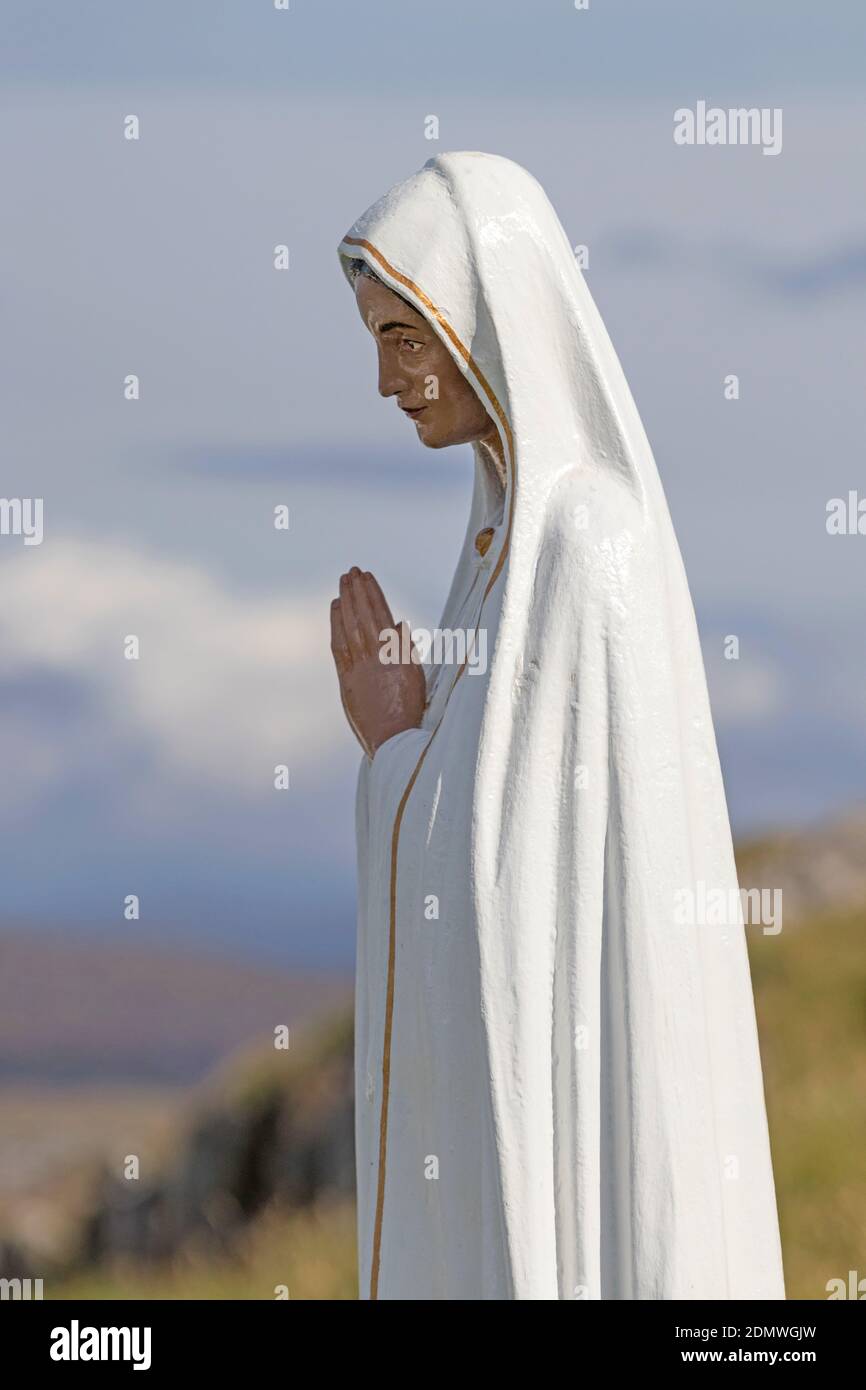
{"x": 417, "y": 368}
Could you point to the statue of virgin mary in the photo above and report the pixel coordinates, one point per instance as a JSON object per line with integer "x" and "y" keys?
{"x": 558, "y": 1080}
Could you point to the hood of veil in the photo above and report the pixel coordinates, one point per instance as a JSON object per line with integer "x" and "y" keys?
{"x": 473, "y": 242}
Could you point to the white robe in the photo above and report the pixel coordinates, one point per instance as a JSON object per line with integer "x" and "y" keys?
{"x": 558, "y": 1082}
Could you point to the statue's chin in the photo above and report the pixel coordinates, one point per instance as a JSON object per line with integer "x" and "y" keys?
{"x": 426, "y": 435}
{"x": 431, "y": 437}
{"x": 432, "y": 441}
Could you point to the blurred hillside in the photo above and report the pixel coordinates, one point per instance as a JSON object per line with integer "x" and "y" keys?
{"x": 246, "y": 1178}
{"x": 817, "y": 869}
{"x": 109, "y": 1011}
{"x": 248, "y": 1188}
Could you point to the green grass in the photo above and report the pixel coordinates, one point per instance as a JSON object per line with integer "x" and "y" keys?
{"x": 312, "y": 1253}
{"x": 810, "y": 994}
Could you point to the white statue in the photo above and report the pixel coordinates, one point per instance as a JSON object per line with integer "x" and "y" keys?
{"x": 558, "y": 1081}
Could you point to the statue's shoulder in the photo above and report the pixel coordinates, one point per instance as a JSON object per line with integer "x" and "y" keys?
{"x": 591, "y": 511}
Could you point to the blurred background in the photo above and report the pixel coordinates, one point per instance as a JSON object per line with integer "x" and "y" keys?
{"x": 152, "y": 1037}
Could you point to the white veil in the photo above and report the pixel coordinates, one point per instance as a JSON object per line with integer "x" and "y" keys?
{"x": 625, "y": 1089}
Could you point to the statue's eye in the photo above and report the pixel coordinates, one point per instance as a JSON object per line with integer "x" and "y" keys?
{"x": 412, "y": 345}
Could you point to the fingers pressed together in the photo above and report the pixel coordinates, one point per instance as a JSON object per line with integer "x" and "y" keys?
{"x": 358, "y": 618}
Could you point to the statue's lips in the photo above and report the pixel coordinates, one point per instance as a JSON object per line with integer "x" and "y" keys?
{"x": 415, "y": 412}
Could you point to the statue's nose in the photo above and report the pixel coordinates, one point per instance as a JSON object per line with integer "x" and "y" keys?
{"x": 390, "y": 377}
{"x": 389, "y": 382}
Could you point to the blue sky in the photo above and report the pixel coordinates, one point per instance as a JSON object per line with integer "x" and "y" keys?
{"x": 154, "y": 257}
{"x": 616, "y": 47}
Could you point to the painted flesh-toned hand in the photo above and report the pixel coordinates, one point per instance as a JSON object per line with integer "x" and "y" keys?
{"x": 380, "y": 699}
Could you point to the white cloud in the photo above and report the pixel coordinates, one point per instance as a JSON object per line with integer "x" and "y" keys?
{"x": 227, "y": 684}
{"x": 745, "y": 691}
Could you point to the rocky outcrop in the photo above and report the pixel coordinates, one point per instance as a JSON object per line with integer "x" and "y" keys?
{"x": 271, "y": 1129}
